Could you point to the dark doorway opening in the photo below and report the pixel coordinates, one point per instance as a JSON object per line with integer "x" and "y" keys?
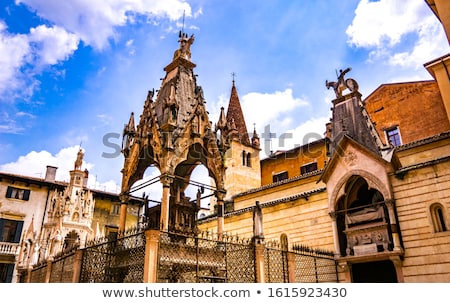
{"x": 374, "y": 272}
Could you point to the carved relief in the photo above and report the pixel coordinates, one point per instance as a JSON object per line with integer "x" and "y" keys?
{"x": 350, "y": 158}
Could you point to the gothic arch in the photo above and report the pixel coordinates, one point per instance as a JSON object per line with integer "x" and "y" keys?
{"x": 372, "y": 181}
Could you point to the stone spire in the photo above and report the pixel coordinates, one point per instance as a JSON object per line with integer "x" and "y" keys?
{"x": 255, "y": 138}
{"x": 235, "y": 117}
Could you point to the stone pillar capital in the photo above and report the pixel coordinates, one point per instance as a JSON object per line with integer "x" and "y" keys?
{"x": 166, "y": 179}
{"x": 124, "y": 197}
{"x": 220, "y": 194}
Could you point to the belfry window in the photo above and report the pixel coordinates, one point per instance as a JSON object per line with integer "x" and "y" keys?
{"x": 246, "y": 159}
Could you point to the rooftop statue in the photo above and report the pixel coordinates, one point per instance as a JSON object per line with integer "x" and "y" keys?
{"x": 185, "y": 46}
{"x": 342, "y": 84}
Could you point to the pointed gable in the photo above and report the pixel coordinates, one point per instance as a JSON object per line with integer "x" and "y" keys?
{"x": 236, "y": 116}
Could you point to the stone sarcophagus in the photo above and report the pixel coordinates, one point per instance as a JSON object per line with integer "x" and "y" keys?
{"x": 367, "y": 231}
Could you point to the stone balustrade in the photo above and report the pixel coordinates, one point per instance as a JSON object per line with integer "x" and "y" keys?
{"x": 9, "y": 248}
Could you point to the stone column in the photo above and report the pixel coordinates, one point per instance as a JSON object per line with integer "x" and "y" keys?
{"x": 398, "y": 268}
{"x": 337, "y": 248}
{"x": 291, "y": 266}
{"x": 220, "y": 213}
{"x": 48, "y": 273}
{"x": 259, "y": 262}
{"x": 28, "y": 278}
{"x": 345, "y": 269}
{"x": 166, "y": 181}
{"x": 151, "y": 255}
{"x": 124, "y": 198}
{"x": 77, "y": 264}
{"x": 394, "y": 227}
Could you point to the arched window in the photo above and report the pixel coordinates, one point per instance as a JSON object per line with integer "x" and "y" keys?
{"x": 438, "y": 217}
{"x": 244, "y": 158}
{"x": 249, "y": 159}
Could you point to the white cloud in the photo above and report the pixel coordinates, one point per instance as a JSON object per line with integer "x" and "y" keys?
{"x": 94, "y": 21}
{"x": 34, "y": 163}
{"x": 428, "y": 46}
{"x": 381, "y": 22}
{"x": 268, "y": 108}
{"x": 386, "y": 24}
{"x": 21, "y": 54}
{"x": 309, "y": 131}
{"x": 14, "y": 50}
{"x": 53, "y": 44}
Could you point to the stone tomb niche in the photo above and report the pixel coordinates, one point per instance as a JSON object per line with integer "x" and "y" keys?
{"x": 367, "y": 231}
{"x": 366, "y": 220}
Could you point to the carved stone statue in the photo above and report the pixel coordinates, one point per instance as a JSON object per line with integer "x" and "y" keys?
{"x": 258, "y": 231}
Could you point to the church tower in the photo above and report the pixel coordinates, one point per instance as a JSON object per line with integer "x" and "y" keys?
{"x": 175, "y": 135}
{"x": 242, "y": 153}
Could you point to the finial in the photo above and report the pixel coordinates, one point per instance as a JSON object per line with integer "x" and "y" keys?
{"x": 233, "y": 75}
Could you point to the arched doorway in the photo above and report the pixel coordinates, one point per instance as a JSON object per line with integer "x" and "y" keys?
{"x": 374, "y": 272}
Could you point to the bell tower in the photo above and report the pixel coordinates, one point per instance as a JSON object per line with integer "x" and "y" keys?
{"x": 242, "y": 152}
{"x": 174, "y": 134}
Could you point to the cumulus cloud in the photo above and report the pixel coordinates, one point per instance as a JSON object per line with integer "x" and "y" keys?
{"x": 95, "y": 21}
{"x": 14, "y": 52}
{"x": 269, "y": 108}
{"x": 23, "y": 56}
{"x": 52, "y": 44}
{"x": 309, "y": 131}
{"x": 384, "y": 25}
{"x": 34, "y": 164}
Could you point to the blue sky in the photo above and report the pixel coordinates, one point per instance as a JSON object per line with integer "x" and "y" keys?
{"x": 71, "y": 72}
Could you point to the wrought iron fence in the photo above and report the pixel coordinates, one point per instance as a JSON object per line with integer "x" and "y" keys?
{"x": 191, "y": 259}
{"x": 276, "y": 265}
{"x": 119, "y": 259}
{"x": 205, "y": 258}
{"x": 314, "y": 266}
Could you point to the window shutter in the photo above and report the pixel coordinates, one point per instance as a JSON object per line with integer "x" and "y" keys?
{"x": 18, "y": 233}
{"x": 9, "y": 273}
{"x": 2, "y": 224}
{"x": 26, "y": 194}
{"x": 9, "y": 192}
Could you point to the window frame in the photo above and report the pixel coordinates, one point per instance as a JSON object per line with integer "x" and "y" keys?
{"x": 18, "y": 193}
{"x": 308, "y": 165}
{"x": 438, "y": 218}
{"x": 280, "y": 174}
{"x": 398, "y": 135}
